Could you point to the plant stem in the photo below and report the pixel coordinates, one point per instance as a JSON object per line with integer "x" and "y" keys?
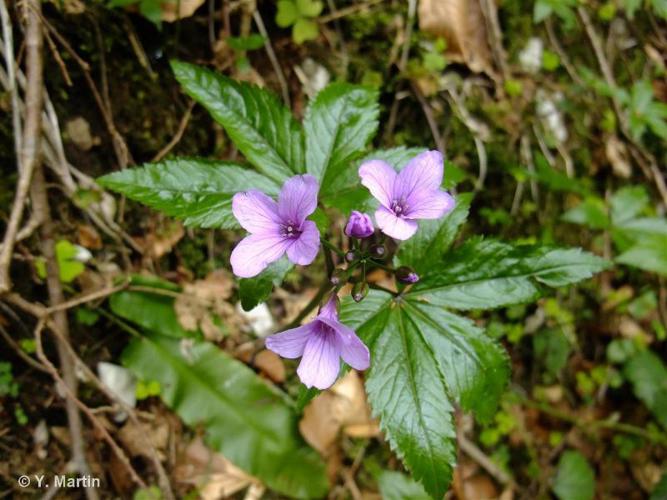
{"x": 314, "y": 302}
{"x": 330, "y": 246}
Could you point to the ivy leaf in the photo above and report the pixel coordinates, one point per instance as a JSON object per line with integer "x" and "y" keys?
{"x": 253, "y": 291}
{"x": 575, "y": 479}
{"x": 424, "y": 250}
{"x": 256, "y": 121}
{"x": 339, "y": 122}
{"x": 648, "y": 376}
{"x": 245, "y": 419}
{"x": 397, "y": 486}
{"x": 425, "y": 360}
{"x": 485, "y": 274}
{"x": 195, "y": 190}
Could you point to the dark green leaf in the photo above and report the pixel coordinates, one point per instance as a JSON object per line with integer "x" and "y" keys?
{"x": 252, "y": 291}
{"x": 575, "y": 479}
{"x": 261, "y": 127}
{"x": 425, "y": 249}
{"x": 660, "y": 490}
{"x": 339, "y": 123}
{"x": 424, "y": 360}
{"x": 245, "y": 419}
{"x": 484, "y": 274}
{"x": 648, "y": 376}
{"x": 397, "y": 486}
{"x": 195, "y": 190}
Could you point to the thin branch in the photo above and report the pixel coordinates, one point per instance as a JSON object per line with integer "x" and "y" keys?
{"x": 178, "y": 135}
{"x": 432, "y": 124}
{"x": 20, "y": 352}
{"x": 470, "y": 449}
{"x": 272, "y": 56}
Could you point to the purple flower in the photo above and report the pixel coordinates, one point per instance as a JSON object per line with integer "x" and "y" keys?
{"x": 276, "y": 228}
{"x": 321, "y": 343}
{"x": 359, "y": 225}
{"x": 413, "y": 193}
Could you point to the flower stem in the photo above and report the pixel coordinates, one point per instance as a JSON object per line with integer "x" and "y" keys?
{"x": 314, "y": 302}
{"x": 327, "y": 244}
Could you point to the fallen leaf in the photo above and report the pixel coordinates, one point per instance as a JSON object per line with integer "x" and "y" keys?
{"x": 88, "y": 237}
{"x": 617, "y": 154}
{"x": 214, "y": 476}
{"x": 173, "y": 11}
{"x": 271, "y": 365}
{"x": 134, "y": 436}
{"x": 78, "y": 132}
{"x": 461, "y": 24}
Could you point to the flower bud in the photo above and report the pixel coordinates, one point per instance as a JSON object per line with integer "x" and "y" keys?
{"x": 359, "y": 225}
{"x": 338, "y": 276}
{"x": 350, "y": 256}
{"x": 406, "y": 274}
{"x": 378, "y": 251}
{"x": 359, "y": 291}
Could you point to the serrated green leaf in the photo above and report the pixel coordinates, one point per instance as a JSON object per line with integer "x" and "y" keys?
{"x": 198, "y": 191}
{"x": 425, "y": 360}
{"x": 304, "y": 30}
{"x": 575, "y": 479}
{"x": 627, "y": 203}
{"x": 245, "y": 419}
{"x": 256, "y": 121}
{"x": 397, "y": 486}
{"x": 253, "y": 291}
{"x": 648, "y": 375}
{"x": 287, "y": 13}
{"x": 425, "y": 249}
{"x": 591, "y": 212}
{"x": 309, "y": 8}
{"x": 485, "y": 274}
{"x": 339, "y": 122}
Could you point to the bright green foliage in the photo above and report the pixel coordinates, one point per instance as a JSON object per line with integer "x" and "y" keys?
{"x": 196, "y": 190}
{"x": 562, "y": 8}
{"x": 8, "y": 386}
{"x": 68, "y": 265}
{"x": 339, "y": 122}
{"x": 659, "y": 6}
{"x": 300, "y": 14}
{"x": 648, "y": 375}
{"x": 150, "y": 9}
{"x": 396, "y": 486}
{"x": 247, "y": 420}
{"x": 253, "y": 291}
{"x": 641, "y": 240}
{"x": 260, "y": 126}
{"x": 575, "y": 479}
{"x": 483, "y": 274}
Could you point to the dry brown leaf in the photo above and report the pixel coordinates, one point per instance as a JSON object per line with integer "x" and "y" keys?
{"x": 160, "y": 241}
{"x": 617, "y": 154}
{"x": 461, "y": 23}
{"x": 173, "y": 11}
{"x": 480, "y": 487}
{"x": 78, "y": 132}
{"x": 88, "y": 237}
{"x": 214, "y": 475}
{"x": 343, "y": 407}
{"x": 133, "y": 436}
{"x": 271, "y": 365}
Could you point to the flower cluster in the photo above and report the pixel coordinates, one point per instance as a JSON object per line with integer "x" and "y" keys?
{"x": 282, "y": 227}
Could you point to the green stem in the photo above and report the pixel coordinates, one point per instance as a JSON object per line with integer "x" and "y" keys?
{"x": 315, "y": 301}
{"x": 327, "y": 244}
{"x": 375, "y": 286}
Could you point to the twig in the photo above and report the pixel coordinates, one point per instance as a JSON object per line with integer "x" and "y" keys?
{"x": 71, "y": 396}
{"x": 412, "y": 13}
{"x": 483, "y": 163}
{"x": 178, "y": 135}
{"x": 29, "y": 156}
{"x": 89, "y": 297}
{"x": 553, "y": 39}
{"x": 428, "y": 112}
{"x": 20, "y": 352}
{"x": 8, "y": 37}
{"x": 352, "y": 9}
{"x": 272, "y": 56}
{"x": 470, "y": 449}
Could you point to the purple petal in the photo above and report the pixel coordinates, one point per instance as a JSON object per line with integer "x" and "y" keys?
{"x": 378, "y": 177}
{"x": 431, "y": 205}
{"x": 320, "y": 362}
{"x": 255, "y": 211}
{"x": 396, "y": 227}
{"x": 359, "y": 225}
{"x": 298, "y": 198}
{"x": 255, "y": 252}
{"x": 330, "y": 309}
{"x": 291, "y": 343}
{"x": 353, "y": 351}
{"x": 422, "y": 174}
{"x": 303, "y": 250}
